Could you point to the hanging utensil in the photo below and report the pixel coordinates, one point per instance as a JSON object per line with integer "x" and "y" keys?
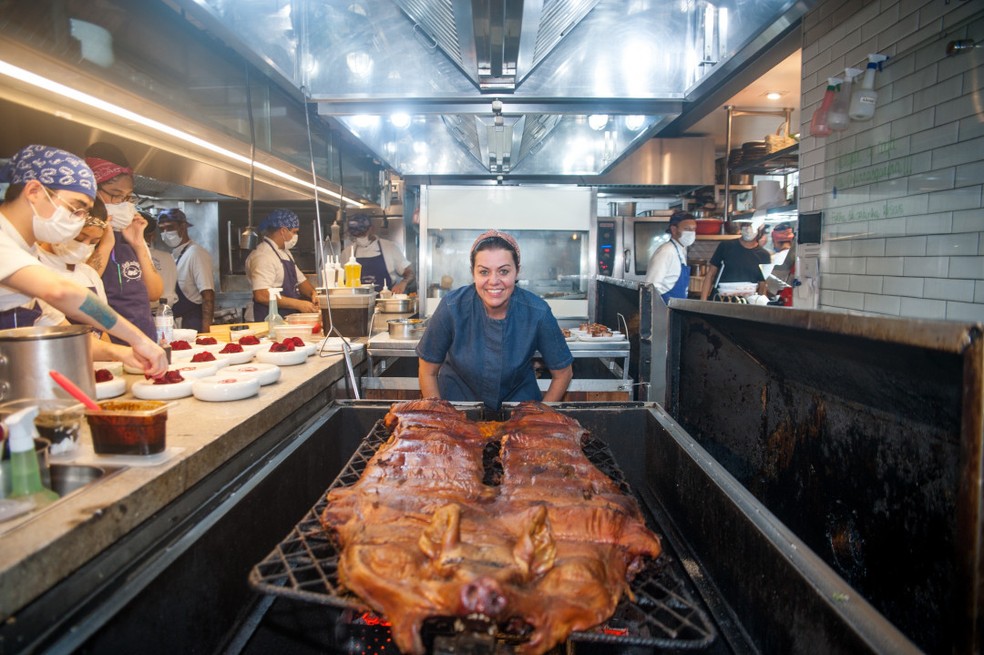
{"x": 248, "y": 238}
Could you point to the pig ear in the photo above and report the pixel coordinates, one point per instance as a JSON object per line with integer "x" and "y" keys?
{"x": 440, "y": 540}
{"x": 535, "y": 550}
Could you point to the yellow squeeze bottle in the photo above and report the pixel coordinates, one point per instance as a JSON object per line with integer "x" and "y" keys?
{"x": 353, "y": 271}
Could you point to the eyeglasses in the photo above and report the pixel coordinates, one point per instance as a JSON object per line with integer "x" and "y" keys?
{"x": 79, "y": 213}
{"x": 115, "y": 199}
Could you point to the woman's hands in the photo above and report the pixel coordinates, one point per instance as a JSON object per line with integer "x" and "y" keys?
{"x": 427, "y": 377}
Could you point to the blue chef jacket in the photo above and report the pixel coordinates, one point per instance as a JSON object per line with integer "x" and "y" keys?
{"x": 491, "y": 359}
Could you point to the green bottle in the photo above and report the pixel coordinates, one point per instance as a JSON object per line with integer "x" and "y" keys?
{"x": 25, "y": 472}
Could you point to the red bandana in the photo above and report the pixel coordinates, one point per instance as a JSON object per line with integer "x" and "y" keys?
{"x": 106, "y": 170}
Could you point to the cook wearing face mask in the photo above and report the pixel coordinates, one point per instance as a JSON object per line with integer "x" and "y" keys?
{"x": 123, "y": 260}
{"x": 41, "y": 179}
{"x": 383, "y": 262}
{"x": 271, "y": 266}
{"x": 195, "y": 286}
{"x": 668, "y": 270}
{"x": 68, "y": 258}
{"x": 738, "y": 260}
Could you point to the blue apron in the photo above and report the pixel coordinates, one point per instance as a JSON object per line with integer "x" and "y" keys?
{"x": 682, "y": 285}
{"x": 189, "y": 312}
{"x": 260, "y": 310}
{"x": 125, "y": 289}
{"x": 375, "y": 269}
{"x": 19, "y": 317}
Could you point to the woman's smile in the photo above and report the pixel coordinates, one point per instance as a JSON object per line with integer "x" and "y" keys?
{"x": 495, "y": 278}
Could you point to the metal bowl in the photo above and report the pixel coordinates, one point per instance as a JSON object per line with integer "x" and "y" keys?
{"x": 396, "y": 305}
{"x": 405, "y": 328}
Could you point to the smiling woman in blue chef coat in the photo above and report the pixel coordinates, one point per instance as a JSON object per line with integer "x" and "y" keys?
{"x": 480, "y": 342}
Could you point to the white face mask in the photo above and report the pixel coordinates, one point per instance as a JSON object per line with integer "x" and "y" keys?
{"x": 291, "y": 243}
{"x": 60, "y": 226}
{"x": 120, "y": 214}
{"x": 748, "y": 233}
{"x": 687, "y": 237}
{"x": 362, "y": 242}
{"x": 171, "y": 239}
{"x": 73, "y": 252}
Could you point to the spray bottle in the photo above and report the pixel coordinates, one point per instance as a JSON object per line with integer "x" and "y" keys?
{"x": 25, "y": 472}
{"x": 274, "y": 319}
{"x": 353, "y": 271}
{"x": 819, "y": 124}
{"x": 864, "y": 98}
{"x": 837, "y": 118}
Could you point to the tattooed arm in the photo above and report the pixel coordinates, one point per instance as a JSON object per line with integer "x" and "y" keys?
{"x": 81, "y": 304}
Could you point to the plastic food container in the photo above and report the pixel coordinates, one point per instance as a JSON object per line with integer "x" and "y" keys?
{"x": 310, "y": 318}
{"x": 128, "y": 427}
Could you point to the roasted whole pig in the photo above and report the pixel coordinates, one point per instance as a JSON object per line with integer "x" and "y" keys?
{"x": 547, "y": 549}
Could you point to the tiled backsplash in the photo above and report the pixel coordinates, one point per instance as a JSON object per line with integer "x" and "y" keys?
{"x": 901, "y": 194}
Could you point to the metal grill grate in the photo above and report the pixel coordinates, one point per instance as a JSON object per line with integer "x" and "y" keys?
{"x": 304, "y": 566}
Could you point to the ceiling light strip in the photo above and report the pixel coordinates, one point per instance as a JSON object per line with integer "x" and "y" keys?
{"x": 23, "y": 75}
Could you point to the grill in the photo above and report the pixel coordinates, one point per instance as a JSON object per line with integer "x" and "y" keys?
{"x": 304, "y": 566}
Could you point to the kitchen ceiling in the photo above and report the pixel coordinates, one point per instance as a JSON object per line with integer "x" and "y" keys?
{"x": 533, "y": 89}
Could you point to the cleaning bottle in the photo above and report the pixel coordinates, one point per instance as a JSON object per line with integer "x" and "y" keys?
{"x": 819, "y": 124}
{"x": 274, "y": 319}
{"x": 25, "y": 472}
{"x": 864, "y": 98}
{"x": 353, "y": 271}
{"x": 837, "y": 118}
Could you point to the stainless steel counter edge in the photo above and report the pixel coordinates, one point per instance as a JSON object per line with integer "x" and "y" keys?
{"x": 41, "y": 548}
{"x": 618, "y": 282}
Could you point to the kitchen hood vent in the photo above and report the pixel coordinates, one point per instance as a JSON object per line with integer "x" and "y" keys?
{"x": 496, "y": 44}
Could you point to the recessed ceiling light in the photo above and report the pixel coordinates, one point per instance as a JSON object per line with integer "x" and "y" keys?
{"x": 773, "y": 95}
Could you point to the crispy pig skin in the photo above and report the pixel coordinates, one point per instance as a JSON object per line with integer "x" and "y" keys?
{"x": 553, "y": 545}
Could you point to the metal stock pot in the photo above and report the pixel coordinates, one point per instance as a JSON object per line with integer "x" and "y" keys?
{"x": 28, "y": 354}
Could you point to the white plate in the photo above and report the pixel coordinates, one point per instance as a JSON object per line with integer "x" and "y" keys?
{"x": 334, "y": 345}
{"x": 184, "y": 334}
{"x": 194, "y": 370}
{"x": 221, "y": 388}
{"x": 211, "y": 347}
{"x": 184, "y": 355}
{"x": 290, "y": 358}
{"x": 236, "y": 358}
{"x": 110, "y": 388}
{"x": 147, "y": 390}
{"x": 588, "y": 339}
{"x": 116, "y": 368}
{"x": 266, "y": 373}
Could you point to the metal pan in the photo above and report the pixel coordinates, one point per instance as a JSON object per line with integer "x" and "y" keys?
{"x": 405, "y": 328}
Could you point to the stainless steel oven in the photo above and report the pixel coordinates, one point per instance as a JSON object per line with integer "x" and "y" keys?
{"x": 624, "y": 244}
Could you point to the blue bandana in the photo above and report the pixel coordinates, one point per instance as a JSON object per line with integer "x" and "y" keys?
{"x": 54, "y": 168}
{"x": 279, "y": 218}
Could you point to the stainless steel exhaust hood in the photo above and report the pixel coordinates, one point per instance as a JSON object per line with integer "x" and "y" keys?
{"x": 558, "y": 90}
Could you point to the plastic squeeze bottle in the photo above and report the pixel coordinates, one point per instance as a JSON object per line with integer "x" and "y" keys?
{"x": 329, "y": 274}
{"x": 819, "y": 125}
{"x": 864, "y": 99}
{"x": 274, "y": 318}
{"x": 837, "y": 118}
{"x": 353, "y": 271}
{"x": 25, "y": 472}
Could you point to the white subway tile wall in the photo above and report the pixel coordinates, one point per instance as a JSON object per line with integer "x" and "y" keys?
{"x": 902, "y": 194}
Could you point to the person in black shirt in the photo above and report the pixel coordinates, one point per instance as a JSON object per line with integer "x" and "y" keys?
{"x": 738, "y": 261}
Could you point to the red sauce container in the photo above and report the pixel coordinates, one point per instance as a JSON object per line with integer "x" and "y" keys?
{"x": 128, "y": 427}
